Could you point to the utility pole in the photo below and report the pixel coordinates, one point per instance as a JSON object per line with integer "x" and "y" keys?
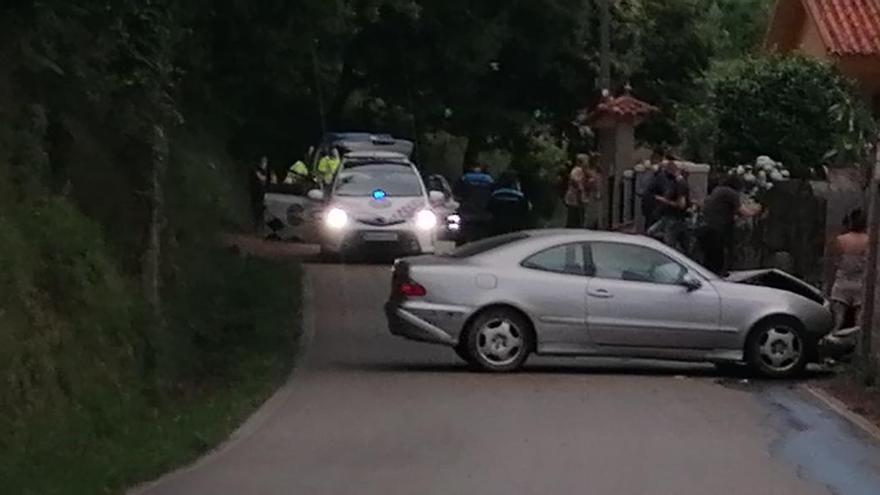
{"x": 605, "y": 44}
{"x": 606, "y": 136}
{"x": 869, "y": 318}
{"x": 318, "y": 90}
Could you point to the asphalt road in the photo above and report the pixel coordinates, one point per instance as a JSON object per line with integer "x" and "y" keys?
{"x": 367, "y": 413}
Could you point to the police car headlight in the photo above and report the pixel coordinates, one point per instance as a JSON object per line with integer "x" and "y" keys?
{"x": 336, "y": 219}
{"x": 426, "y": 220}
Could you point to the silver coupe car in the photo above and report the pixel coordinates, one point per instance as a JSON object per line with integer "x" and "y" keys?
{"x": 587, "y": 293}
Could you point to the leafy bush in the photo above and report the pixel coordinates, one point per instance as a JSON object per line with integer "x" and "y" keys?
{"x": 791, "y": 108}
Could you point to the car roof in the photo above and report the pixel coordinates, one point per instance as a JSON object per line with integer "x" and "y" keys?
{"x": 355, "y": 136}
{"x": 574, "y": 235}
{"x": 376, "y": 155}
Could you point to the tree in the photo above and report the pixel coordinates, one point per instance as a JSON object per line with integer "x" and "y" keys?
{"x": 673, "y": 53}
{"x": 735, "y": 28}
{"x": 776, "y": 106}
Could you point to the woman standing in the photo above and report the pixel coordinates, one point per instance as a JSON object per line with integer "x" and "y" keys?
{"x": 850, "y": 250}
{"x": 582, "y": 184}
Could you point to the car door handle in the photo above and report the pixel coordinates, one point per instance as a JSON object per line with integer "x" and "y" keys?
{"x": 600, "y": 293}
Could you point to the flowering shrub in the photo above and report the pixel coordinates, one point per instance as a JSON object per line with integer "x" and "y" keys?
{"x": 760, "y": 177}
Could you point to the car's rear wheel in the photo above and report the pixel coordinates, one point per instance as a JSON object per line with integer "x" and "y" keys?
{"x": 499, "y": 340}
{"x": 776, "y": 348}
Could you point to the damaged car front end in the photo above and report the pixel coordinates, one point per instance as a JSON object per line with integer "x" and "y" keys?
{"x": 837, "y": 344}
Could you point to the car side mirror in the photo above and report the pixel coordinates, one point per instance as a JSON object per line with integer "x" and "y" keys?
{"x": 436, "y": 197}
{"x": 316, "y": 195}
{"x": 690, "y": 282}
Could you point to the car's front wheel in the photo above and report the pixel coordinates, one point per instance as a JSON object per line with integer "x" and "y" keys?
{"x": 777, "y": 348}
{"x": 499, "y": 340}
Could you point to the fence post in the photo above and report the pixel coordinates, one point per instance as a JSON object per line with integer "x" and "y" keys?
{"x": 869, "y": 309}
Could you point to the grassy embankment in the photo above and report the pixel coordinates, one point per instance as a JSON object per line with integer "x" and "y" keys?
{"x": 93, "y": 398}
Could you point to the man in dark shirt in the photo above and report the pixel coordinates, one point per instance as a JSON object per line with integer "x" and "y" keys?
{"x": 719, "y": 216}
{"x": 508, "y": 205}
{"x": 473, "y": 191}
{"x": 656, "y": 187}
{"x": 672, "y": 205}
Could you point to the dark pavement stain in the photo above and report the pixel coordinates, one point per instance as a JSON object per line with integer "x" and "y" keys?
{"x": 824, "y": 447}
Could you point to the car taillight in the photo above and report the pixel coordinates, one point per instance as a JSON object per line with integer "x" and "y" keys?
{"x": 411, "y": 289}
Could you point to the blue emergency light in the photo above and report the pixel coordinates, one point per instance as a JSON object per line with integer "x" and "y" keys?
{"x": 379, "y": 194}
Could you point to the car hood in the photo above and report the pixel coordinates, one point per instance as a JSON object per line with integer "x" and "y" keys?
{"x": 386, "y": 211}
{"x": 777, "y": 279}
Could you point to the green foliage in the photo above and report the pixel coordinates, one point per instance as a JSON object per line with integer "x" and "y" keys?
{"x": 85, "y": 385}
{"x": 791, "y": 108}
{"x": 735, "y": 27}
{"x": 674, "y": 54}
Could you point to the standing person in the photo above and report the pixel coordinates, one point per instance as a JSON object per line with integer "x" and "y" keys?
{"x": 672, "y": 206}
{"x": 473, "y": 191}
{"x": 297, "y": 178}
{"x": 720, "y": 210}
{"x": 261, "y": 178}
{"x": 327, "y": 166}
{"x": 508, "y": 205}
{"x": 582, "y": 185}
{"x": 656, "y": 186}
{"x": 850, "y": 252}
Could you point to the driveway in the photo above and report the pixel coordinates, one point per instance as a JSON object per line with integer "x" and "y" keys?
{"x": 367, "y": 413}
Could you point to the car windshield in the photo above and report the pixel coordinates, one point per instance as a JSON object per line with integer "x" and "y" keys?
{"x": 364, "y": 180}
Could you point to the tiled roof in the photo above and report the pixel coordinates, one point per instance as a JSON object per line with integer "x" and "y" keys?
{"x": 848, "y": 27}
{"x": 623, "y": 106}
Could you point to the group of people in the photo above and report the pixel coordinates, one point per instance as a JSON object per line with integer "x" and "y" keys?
{"x": 298, "y": 176}
{"x": 488, "y": 206}
{"x": 667, "y": 207}
{"x": 297, "y": 179}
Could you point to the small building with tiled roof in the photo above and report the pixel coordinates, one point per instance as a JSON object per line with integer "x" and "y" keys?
{"x": 844, "y": 32}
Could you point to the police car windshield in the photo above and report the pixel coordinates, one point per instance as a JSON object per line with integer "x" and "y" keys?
{"x": 392, "y": 179}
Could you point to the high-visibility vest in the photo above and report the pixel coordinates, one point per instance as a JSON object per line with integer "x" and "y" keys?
{"x": 297, "y": 173}
{"x": 327, "y": 168}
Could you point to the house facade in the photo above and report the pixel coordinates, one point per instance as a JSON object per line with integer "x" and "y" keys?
{"x": 843, "y": 32}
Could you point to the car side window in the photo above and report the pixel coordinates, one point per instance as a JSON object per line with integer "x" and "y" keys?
{"x": 568, "y": 259}
{"x": 629, "y": 262}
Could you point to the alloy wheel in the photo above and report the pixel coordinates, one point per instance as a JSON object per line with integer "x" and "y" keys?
{"x": 500, "y": 342}
{"x": 780, "y": 348}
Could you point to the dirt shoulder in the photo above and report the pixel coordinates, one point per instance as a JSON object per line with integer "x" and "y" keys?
{"x": 270, "y": 249}
{"x": 858, "y": 398}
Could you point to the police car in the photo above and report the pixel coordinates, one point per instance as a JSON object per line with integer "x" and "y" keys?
{"x": 378, "y": 203}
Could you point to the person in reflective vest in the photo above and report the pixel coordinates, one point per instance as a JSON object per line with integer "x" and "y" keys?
{"x": 508, "y": 205}
{"x": 297, "y": 178}
{"x": 327, "y": 167}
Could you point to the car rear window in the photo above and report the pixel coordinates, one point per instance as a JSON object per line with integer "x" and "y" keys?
{"x": 486, "y": 245}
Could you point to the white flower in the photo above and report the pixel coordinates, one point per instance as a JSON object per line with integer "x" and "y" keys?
{"x": 740, "y": 170}
{"x": 764, "y": 162}
{"x": 776, "y": 176}
{"x": 768, "y": 186}
{"x": 785, "y": 173}
{"x": 750, "y": 178}
{"x": 762, "y": 176}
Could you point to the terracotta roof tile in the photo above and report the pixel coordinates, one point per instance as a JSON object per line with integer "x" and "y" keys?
{"x": 848, "y": 27}
{"x": 624, "y": 106}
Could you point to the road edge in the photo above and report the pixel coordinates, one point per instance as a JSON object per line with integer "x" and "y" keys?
{"x": 844, "y": 411}
{"x": 265, "y": 411}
